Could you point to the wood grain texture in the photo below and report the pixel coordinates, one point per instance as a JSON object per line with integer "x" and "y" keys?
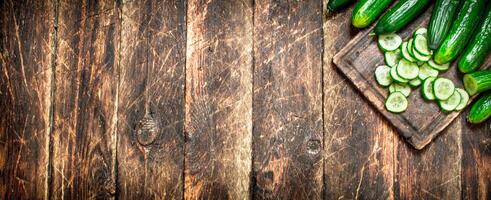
{"x": 476, "y": 160}
{"x": 287, "y": 104}
{"x": 218, "y": 99}
{"x": 84, "y": 134}
{"x": 151, "y": 100}
{"x": 26, "y": 59}
{"x": 358, "y": 142}
{"x": 431, "y": 173}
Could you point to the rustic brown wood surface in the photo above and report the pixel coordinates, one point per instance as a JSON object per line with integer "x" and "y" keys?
{"x": 218, "y": 99}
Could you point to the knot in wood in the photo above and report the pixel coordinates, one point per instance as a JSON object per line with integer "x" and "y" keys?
{"x": 147, "y": 130}
{"x": 313, "y": 147}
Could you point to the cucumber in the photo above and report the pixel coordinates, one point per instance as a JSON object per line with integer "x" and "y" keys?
{"x": 451, "y": 103}
{"x": 441, "y": 20}
{"x": 367, "y": 11}
{"x": 335, "y": 5}
{"x": 391, "y": 58}
{"x": 461, "y": 31}
{"x": 415, "y": 82}
{"x": 396, "y": 102}
{"x": 382, "y": 75}
{"x": 421, "y": 45}
{"x": 392, "y": 88}
{"x": 481, "y": 110}
{"x": 405, "y": 54}
{"x": 403, "y": 88}
{"x": 443, "y": 88}
{"x": 389, "y": 42}
{"x": 419, "y": 57}
{"x": 426, "y": 71}
{"x": 476, "y": 82}
{"x": 475, "y": 54}
{"x": 410, "y": 47}
{"x": 439, "y": 67}
{"x": 400, "y": 15}
{"x": 407, "y": 70}
{"x": 427, "y": 89}
{"x": 464, "y": 99}
{"x": 396, "y": 77}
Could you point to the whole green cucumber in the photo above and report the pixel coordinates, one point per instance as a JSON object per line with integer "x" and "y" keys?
{"x": 400, "y": 15}
{"x": 335, "y": 5}
{"x": 478, "y": 49}
{"x": 367, "y": 11}
{"x": 476, "y": 82}
{"x": 461, "y": 31}
{"x": 441, "y": 20}
{"x": 481, "y": 110}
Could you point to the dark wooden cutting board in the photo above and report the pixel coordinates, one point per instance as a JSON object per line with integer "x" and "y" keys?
{"x": 423, "y": 120}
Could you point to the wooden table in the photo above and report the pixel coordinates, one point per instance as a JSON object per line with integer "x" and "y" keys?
{"x": 212, "y": 99}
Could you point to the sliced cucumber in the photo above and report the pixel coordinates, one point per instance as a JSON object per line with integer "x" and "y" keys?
{"x": 464, "y": 99}
{"x": 405, "y": 54}
{"x": 403, "y": 88}
{"x": 426, "y": 71}
{"x": 396, "y": 102}
{"x": 392, "y": 88}
{"x": 420, "y": 44}
{"x": 420, "y": 63}
{"x": 410, "y": 47}
{"x": 420, "y": 57}
{"x": 389, "y": 42}
{"x": 443, "y": 88}
{"x": 421, "y": 31}
{"x": 391, "y": 58}
{"x": 451, "y": 103}
{"x": 382, "y": 75}
{"x": 407, "y": 70}
{"x": 415, "y": 82}
{"x": 396, "y": 77}
{"x": 438, "y": 67}
{"x": 427, "y": 89}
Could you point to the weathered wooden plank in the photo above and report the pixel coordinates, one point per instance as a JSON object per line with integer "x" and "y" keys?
{"x": 358, "y": 142}
{"x": 218, "y": 99}
{"x": 287, "y": 102}
{"x": 431, "y": 173}
{"x": 26, "y": 58}
{"x": 476, "y": 160}
{"x": 84, "y": 133}
{"x": 151, "y": 100}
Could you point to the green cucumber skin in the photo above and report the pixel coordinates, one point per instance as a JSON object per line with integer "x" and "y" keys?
{"x": 441, "y": 20}
{"x": 475, "y": 54}
{"x": 482, "y": 80}
{"x": 481, "y": 110}
{"x": 400, "y": 15}
{"x": 367, "y": 11}
{"x": 460, "y": 32}
{"x": 335, "y": 5}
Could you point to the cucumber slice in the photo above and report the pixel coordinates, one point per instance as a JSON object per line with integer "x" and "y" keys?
{"x": 415, "y": 82}
{"x": 421, "y": 31}
{"x": 389, "y": 42}
{"x": 420, "y": 44}
{"x": 391, "y": 58}
{"x": 443, "y": 88}
{"x": 426, "y": 71}
{"x": 382, "y": 75}
{"x": 420, "y": 57}
{"x": 438, "y": 67}
{"x": 451, "y": 103}
{"x": 402, "y": 88}
{"x": 420, "y": 63}
{"x": 427, "y": 89}
{"x": 392, "y": 88}
{"x": 464, "y": 99}
{"x": 410, "y": 47}
{"x": 405, "y": 54}
{"x": 396, "y": 102}
{"x": 407, "y": 70}
{"x": 396, "y": 77}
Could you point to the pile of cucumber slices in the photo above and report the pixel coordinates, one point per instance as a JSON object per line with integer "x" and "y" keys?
{"x": 409, "y": 64}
